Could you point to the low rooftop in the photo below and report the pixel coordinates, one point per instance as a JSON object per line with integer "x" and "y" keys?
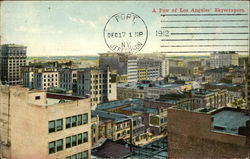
{"x": 224, "y": 52}
{"x": 201, "y": 91}
{"x": 223, "y": 84}
{"x": 118, "y": 103}
{"x": 137, "y": 108}
{"x": 55, "y": 98}
{"x": 229, "y": 120}
{"x": 217, "y": 70}
{"x": 109, "y": 115}
{"x": 134, "y": 85}
{"x": 111, "y": 149}
{"x": 12, "y": 45}
{"x": 51, "y": 101}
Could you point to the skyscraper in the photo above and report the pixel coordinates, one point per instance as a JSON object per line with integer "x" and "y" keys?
{"x": 125, "y": 64}
{"x": 12, "y": 57}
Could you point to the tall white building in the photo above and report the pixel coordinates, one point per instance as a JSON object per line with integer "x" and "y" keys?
{"x": 154, "y": 65}
{"x": 99, "y": 84}
{"x": 68, "y": 79}
{"x": 221, "y": 59}
{"x": 132, "y": 69}
{"x": 125, "y": 64}
{"x": 45, "y": 80}
{"x": 12, "y": 57}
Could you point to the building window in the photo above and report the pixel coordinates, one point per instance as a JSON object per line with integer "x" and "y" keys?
{"x": 68, "y": 142}
{"x": 59, "y": 124}
{"x": 52, "y": 148}
{"x": 68, "y": 122}
{"x": 79, "y": 139}
{"x": 85, "y": 118}
{"x": 85, "y": 137}
{"x": 74, "y": 156}
{"x": 52, "y": 126}
{"x": 59, "y": 145}
{"x": 85, "y": 154}
{"x": 79, "y": 119}
{"x": 37, "y": 97}
{"x": 73, "y": 140}
{"x": 79, "y": 155}
{"x": 74, "y": 121}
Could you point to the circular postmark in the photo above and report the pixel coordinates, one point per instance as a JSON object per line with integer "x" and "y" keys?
{"x": 125, "y": 33}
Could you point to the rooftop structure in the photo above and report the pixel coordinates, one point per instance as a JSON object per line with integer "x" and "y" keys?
{"x": 225, "y": 84}
{"x": 229, "y": 121}
{"x": 104, "y": 115}
{"x": 201, "y": 91}
{"x": 117, "y": 103}
{"x": 139, "y": 108}
{"x": 111, "y": 149}
{"x": 142, "y": 85}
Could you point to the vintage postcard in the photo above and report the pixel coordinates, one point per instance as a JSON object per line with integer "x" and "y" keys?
{"x": 124, "y": 79}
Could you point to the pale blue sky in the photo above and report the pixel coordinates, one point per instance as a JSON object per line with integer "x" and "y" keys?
{"x": 76, "y": 28}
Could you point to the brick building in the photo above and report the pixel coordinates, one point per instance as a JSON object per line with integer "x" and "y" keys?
{"x": 208, "y": 133}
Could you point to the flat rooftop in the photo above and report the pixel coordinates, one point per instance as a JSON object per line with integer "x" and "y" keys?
{"x": 229, "y": 121}
{"x": 223, "y": 84}
{"x": 55, "y": 98}
{"x": 134, "y": 85}
{"x": 51, "y": 101}
{"x": 12, "y": 45}
{"x": 201, "y": 91}
{"x": 109, "y": 115}
{"x": 137, "y": 108}
{"x": 169, "y": 85}
{"x": 118, "y": 103}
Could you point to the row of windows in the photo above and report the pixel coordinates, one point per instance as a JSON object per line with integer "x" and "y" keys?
{"x": 52, "y": 84}
{"x": 76, "y": 120}
{"x": 75, "y": 140}
{"x": 55, "y": 125}
{"x": 100, "y": 75}
{"x": 10, "y": 61}
{"x": 81, "y": 155}
{"x": 49, "y": 75}
{"x": 123, "y": 133}
{"x": 55, "y": 146}
{"x": 49, "y": 80}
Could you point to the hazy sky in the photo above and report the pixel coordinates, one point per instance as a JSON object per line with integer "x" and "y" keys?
{"x": 76, "y": 28}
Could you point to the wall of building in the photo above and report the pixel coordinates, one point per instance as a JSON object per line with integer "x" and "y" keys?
{"x": 125, "y": 93}
{"x": 190, "y": 136}
{"x": 4, "y": 122}
{"x": 26, "y": 133}
{"x": 64, "y": 110}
